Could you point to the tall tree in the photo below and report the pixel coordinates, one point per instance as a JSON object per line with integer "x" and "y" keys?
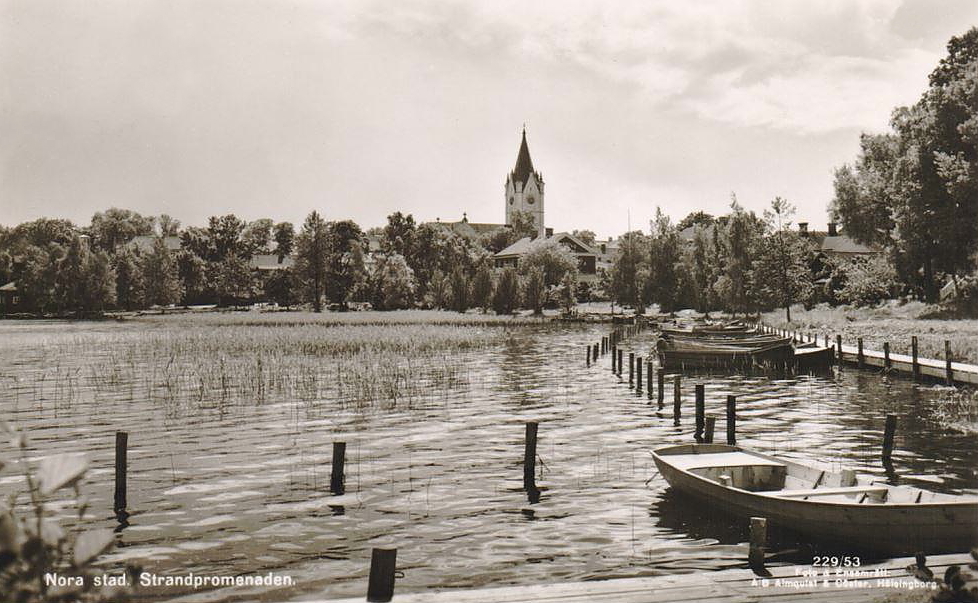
{"x": 312, "y": 256}
{"x": 344, "y": 259}
{"x": 506, "y": 297}
{"x": 552, "y": 258}
{"x": 256, "y": 238}
{"x": 115, "y": 227}
{"x": 284, "y": 239}
{"x": 168, "y": 226}
{"x": 399, "y": 234}
{"x": 392, "y": 283}
{"x": 535, "y": 290}
{"x": 161, "y": 276}
{"x": 482, "y": 287}
{"x": 780, "y": 273}
{"x": 129, "y": 284}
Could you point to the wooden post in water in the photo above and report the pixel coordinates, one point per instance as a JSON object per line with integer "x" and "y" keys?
{"x": 886, "y": 355}
{"x": 758, "y": 540}
{"x": 631, "y": 368}
{"x": 709, "y": 424}
{"x": 676, "y": 398}
{"x": 888, "y": 433}
{"x": 614, "y": 356}
{"x": 595, "y": 354}
{"x": 336, "y": 475}
{"x": 587, "y": 352}
{"x": 380, "y": 585}
{"x": 838, "y": 346}
{"x": 638, "y": 374}
{"x": 913, "y": 352}
{"x": 621, "y": 359}
{"x": 700, "y": 410}
{"x": 121, "y": 465}
{"x": 530, "y": 457}
{"x": 661, "y": 382}
{"x": 860, "y": 361}
{"x": 648, "y": 372}
{"x": 731, "y": 420}
{"x": 948, "y": 374}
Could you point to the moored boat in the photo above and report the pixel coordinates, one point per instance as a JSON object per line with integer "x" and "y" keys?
{"x": 684, "y": 352}
{"x": 839, "y": 507}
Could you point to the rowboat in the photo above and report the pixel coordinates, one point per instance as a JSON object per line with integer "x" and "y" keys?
{"x": 707, "y": 352}
{"x": 829, "y": 506}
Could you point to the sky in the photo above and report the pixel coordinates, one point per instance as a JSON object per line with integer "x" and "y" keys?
{"x": 358, "y": 109}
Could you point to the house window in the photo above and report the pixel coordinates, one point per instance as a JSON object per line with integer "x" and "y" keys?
{"x": 15, "y": 301}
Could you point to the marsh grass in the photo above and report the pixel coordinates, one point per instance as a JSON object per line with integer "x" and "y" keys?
{"x": 218, "y": 361}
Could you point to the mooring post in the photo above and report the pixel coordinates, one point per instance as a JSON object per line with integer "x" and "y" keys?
{"x": 614, "y": 355}
{"x": 631, "y": 368}
{"x": 886, "y": 355}
{"x": 380, "y": 584}
{"x": 948, "y": 375}
{"x": 838, "y": 346}
{"x": 121, "y": 463}
{"x": 758, "y": 540}
{"x": 888, "y": 433}
{"x": 700, "y": 410}
{"x": 638, "y": 374}
{"x": 676, "y": 398}
{"x": 913, "y": 352}
{"x": 530, "y": 457}
{"x": 587, "y": 352}
{"x": 731, "y": 420}
{"x": 336, "y": 476}
{"x": 648, "y": 371}
{"x": 621, "y": 360}
{"x": 661, "y": 382}
{"x": 860, "y": 361}
{"x": 709, "y": 423}
{"x": 595, "y": 353}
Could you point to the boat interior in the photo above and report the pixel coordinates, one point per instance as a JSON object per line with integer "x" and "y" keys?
{"x": 753, "y": 472}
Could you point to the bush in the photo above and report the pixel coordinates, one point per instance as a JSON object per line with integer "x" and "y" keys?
{"x": 867, "y": 281}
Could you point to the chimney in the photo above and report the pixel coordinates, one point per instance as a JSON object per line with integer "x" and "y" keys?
{"x": 803, "y": 228}
{"x": 832, "y": 231}
{"x": 549, "y": 232}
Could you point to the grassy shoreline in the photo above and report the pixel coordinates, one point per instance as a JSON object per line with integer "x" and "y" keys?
{"x": 891, "y": 323}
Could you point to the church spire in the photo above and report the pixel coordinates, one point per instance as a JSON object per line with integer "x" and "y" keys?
{"x": 524, "y": 165}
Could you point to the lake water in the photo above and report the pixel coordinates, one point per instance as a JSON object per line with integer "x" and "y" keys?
{"x": 244, "y": 489}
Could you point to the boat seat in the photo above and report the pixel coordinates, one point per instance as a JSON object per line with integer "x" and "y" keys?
{"x": 869, "y": 490}
{"x": 720, "y": 459}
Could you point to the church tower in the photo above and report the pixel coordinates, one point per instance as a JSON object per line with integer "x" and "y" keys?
{"x": 524, "y": 189}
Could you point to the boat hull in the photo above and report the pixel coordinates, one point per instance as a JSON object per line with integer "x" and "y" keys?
{"x": 896, "y": 529}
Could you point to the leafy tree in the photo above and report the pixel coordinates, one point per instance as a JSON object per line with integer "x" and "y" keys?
{"x": 115, "y": 227}
{"x": 392, "y": 283}
{"x": 231, "y": 279}
{"x": 696, "y": 218}
{"x": 506, "y": 294}
{"x": 780, "y": 271}
{"x": 551, "y": 258}
{"x": 867, "y": 281}
{"x": 129, "y": 284}
{"x": 535, "y": 289}
{"x": 161, "y": 276}
{"x": 439, "y": 291}
{"x": 193, "y": 277}
{"x": 168, "y": 227}
{"x": 664, "y": 259}
{"x": 624, "y": 280}
{"x": 459, "y": 290}
{"x": 99, "y": 291}
{"x": 312, "y": 257}
{"x": 584, "y": 292}
{"x": 40, "y": 233}
{"x": 522, "y": 225}
{"x": 256, "y": 238}
{"x": 224, "y": 237}
{"x": 281, "y": 288}
{"x": 482, "y": 287}
{"x": 284, "y": 239}
{"x": 742, "y": 231}
{"x": 38, "y": 279}
{"x": 399, "y": 235}
{"x": 344, "y": 259}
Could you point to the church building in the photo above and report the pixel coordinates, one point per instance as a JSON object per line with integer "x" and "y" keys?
{"x": 524, "y": 189}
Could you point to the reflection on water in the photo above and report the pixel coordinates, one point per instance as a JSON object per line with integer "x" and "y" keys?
{"x": 244, "y": 489}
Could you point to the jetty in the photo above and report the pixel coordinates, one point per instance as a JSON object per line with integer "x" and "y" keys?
{"x": 839, "y": 584}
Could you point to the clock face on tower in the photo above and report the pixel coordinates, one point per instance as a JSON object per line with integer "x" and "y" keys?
{"x": 530, "y": 200}
{"x": 510, "y": 200}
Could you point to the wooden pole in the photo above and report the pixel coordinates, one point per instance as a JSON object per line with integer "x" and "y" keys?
{"x": 638, "y": 374}
{"x": 595, "y": 354}
{"x": 913, "y": 352}
{"x": 587, "y": 352}
{"x": 121, "y": 463}
{"x": 859, "y": 354}
{"x": 621, "y": 359}
{"x": 709, "y": 424}
{"x": 888, "y": 433}
{"x": 648, "y": 372}
{"x": 614, "y": 356}
{"x": 336, "y": 476}
{"x": 700, "y": 411}
{"x": 838, "y": 346}
{"x": 380, "y": 585}
{"x": 758, "y": 540}
{"x": 631, "y": 368}
{"x": 731, "y": 420}
{"x": 886, "y": 355}
{"x": 530, "y": 457}
{"x": 676, "y": 398}
{"x": 661, "y": 382}
{"x": 948, "y": 374}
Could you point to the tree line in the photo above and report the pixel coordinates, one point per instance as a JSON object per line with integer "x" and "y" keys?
{"x": 60, "y": 268}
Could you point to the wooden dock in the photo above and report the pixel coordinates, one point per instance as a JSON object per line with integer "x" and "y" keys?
{"x": 887, "y": 581}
